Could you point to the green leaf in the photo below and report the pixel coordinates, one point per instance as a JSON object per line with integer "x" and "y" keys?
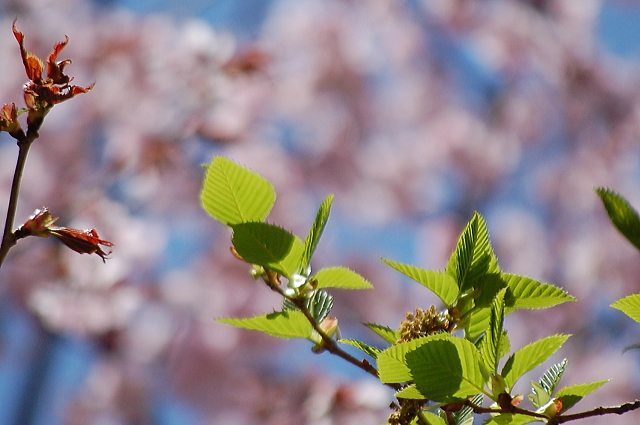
{"x": 341, "y": 277}
{"x": 410, "y": 392}
{"x": 531, "y": 294}
{"x": 319, "y": 305}
{"x": 434, "y": 419}
{"x": 365, "y": 348}
{"x": 530, "y": 356}
{"x": 466, "y": 413}
{"x": 539, "y": 396}
{"x": 446, "y": 368}
{"x": 443, "y": 285}
{"x": 550, "y": 379}
{"x": 622, "y": 215}
{"x": 630, "y": 306}
{"x": 282, "y": 324}
{"x": 473, "y": 256}
{"x": 478, "y": 321}
{"x": 388, "y": 334}
{"x": 268, "y": 246}
{"x": 511, "y": 419}
{"x": 392, "y": 364}
{"x": 495, "y": 343}
{"x": 574, "y": 393}
{"x": 232, "y": 194}
{"x": 315, "y": 232}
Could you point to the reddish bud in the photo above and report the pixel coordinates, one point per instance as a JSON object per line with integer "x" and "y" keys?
{"x": 9, "y": 119}
{"x": 84, "y": 241}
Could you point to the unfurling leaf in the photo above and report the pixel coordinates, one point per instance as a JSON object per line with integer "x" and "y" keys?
{"x": 495, "y": 343}
{"x": 365, "y": 348}
{"x": 283, "y": 324}
{"x": 311, "y": 242}
{"x": 622, "y": 214}
{"x": 385, "y": 332}
{"x": 232, "y": 194}
{"x": 85, "y": 241}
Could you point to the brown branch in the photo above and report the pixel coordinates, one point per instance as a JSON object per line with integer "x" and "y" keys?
{"x": 598, "y": 411}
{"x": 8, "y": 237}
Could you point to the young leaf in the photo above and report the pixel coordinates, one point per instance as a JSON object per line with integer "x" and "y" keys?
{"x": 433, "y": 419}
{"x": 574, "y": 393}
{"x": 341, "y": 277}
{"x": 268, "y": 246}
{"x": 495, "y": 344}
{"x": 473, "y": 256}
{"x": 511, "y": 419}
{"x": 478, "y": 321}
{"x": 530, "y": 356}
{"x": 410, "y": 392}
{"x": 539, "y": 396}
{"x": 319, "y": 305}
{"x": 388, "y": 334}
{"x": 365, "y": 348}
{"x": 466, "y": 413}
{"x": 531, "y": 294}
{"x": 622, "y": 215}
{"x": 315, "y": 232}
{"x": 443, "y": 285}
{"x": 392, "y": 364}
{"x": 282, "y": 324}
{"x": 446, "y": 368}
{"x": 550, "y": 379}
{"x": 232, "y": 194}
{"x": 630, "y": 306}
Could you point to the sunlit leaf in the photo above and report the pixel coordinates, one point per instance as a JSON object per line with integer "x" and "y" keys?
{"x": 442, "y": 284}
{"x": 388, "y": 334}
{"x": 434, "y": 419}
{"x": 539, "y": 396}
{"x": 341, "y": 277}
{"x": 311, "y": 242}
{"x": 473, "y": 256}
{"x": 531, "y": 294}
{"x": 550, "y": 379}
{"x": 623, "y": 216}
{"x": 478, "y": 321}
{"x": 572, "y": 394}
{"x": 410, "y": 392}
{"x": 284, "y": 324}
{"x": 232, "y": 194}
{"x": 466, "y": 413}
{"x": 446, "y": 368}
{"x": 365, "y": 348}
{"x": 630, "y": 306}
{"x": 530, "y": 356}
{"x": 511, "y": 419}
{"x": 495, "y": 343}
{"x": 392, "y": 364}
{"x": 268, "y": 246}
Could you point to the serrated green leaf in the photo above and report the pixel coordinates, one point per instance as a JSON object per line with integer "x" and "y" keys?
{"x": 232, "y": 194}
{"x": 446, "y": 368}
{"x": 319, "y": 305}
{"x": 530, "y": 356}
{"x": 550, "y": 379}
{"x": 572, "y": 394}
{"x": 365, "y": 348}
{"x": 410, "y": 392}
{"x": 441, "y": 284}
{"x": 311, "y": 242}
{"x": 630, "y": 306}
{"x": 282, "y": 324}
{"x": 388, "y": 334}
{"x": 473, "y": 256}
{"x": 268, "y": 246}
{"x": 478, "y": 321}
{"x": 531, "y": 294}
{"x": 392, "y": 364}
{"x": 434, "y": 419}
{"x": 623, "y": 216}
{"x": 492, "y": 347}
{"x": 511, "y": 419}
{"x": 341, "y": 277}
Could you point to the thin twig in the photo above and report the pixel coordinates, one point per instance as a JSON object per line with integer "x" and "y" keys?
{"x": 598, "y": 411}
{"x": 8, "y": 237}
